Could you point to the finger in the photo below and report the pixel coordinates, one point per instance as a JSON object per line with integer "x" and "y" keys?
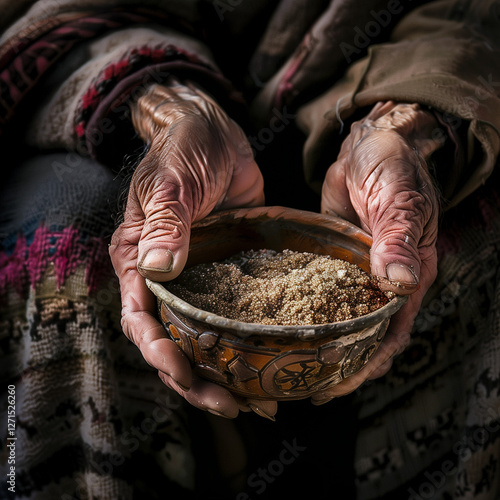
{"x": 265, "y": 409}
{"x": 335, "y": 197}
{"x": 159, "y": 205}
{"x": 402, "y": 218}
{"x": 158, "y": 351}
{"x": 392, "y": 189}
{"x": 246, "y": 188}
{"x": 396, "y": 340}
{"x": 396, "y": 238}
{"x": 381, "y": 370}
{"x": 392, "y": 345}
{"x": 404, "y": 319}
{"x": 138, "y": 310}
{"x": 141, "y": 327}
{"x": 206, "y": 396}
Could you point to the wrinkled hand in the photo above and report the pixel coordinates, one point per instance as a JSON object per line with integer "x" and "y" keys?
{"x": 198, "y": 161}
{"x": 381, "y": 183}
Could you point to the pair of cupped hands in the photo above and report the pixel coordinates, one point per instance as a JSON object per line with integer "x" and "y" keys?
{"x": 199, "y": 161}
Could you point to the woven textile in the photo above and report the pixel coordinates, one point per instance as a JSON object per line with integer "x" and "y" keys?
{"x": 92, "y": 419}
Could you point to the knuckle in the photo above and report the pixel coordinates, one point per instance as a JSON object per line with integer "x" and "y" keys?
{"x": 163, "y": 224}
{"x": 124, "y": 323}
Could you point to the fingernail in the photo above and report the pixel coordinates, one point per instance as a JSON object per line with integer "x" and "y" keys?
{"x": 157, "y": 259}
{"x": 400, "y": 273}
{"x": 217, "y": 413}
{"x": 321, "y": 401}
{"x": 183, "y": 387}
{"x": 404, "y": 342}
{"x": 261, "y": 412}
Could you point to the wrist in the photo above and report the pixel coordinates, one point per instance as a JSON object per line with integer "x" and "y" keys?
{"x": 418, "y": 126}
{"x": 158, "y": 108}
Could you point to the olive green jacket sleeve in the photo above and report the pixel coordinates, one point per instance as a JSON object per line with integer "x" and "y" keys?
{"x": 440, "y": 56}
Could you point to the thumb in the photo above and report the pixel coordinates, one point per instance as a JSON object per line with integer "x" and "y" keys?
{"x": 164, "y": 241}
{"x": 399, "y": 241}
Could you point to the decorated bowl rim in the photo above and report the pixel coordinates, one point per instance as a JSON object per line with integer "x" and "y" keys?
{"x": 244, "y": 329}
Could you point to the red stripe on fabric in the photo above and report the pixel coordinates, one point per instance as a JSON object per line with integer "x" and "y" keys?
{"x": 80, "y": 129}
{"x": 64, "y": 249}
{"x": 90, "y": 97}
{"x": 61, "y": 39}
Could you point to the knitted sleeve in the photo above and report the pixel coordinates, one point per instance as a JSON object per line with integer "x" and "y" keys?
{"x": 67, "y": 83}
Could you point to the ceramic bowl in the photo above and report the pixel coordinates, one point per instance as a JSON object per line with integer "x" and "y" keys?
{"x": 273, "y": 362}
